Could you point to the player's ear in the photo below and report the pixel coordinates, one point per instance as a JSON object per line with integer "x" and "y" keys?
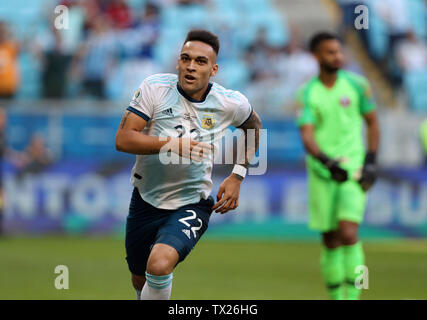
{"x": 214, "y": 70}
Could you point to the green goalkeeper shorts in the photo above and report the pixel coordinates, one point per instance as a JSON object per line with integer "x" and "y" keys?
{"x": 331, "y": 202}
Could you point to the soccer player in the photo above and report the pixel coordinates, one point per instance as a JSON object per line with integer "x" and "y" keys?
{"x": 183, "y": 115}
{"x": 333, "y": 106}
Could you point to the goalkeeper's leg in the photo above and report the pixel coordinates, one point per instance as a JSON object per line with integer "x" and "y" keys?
{"x": 353, "y": 256}
{"x": 332, "y": 264}
{"x": 350, "y": 210}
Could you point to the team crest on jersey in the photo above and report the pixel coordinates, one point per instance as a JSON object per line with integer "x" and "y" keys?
{"x": 208, "y": 121}
{"x": 345, "y": 102}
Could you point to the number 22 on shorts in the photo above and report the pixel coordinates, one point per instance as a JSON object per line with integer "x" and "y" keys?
{"x": 193, "y": 216}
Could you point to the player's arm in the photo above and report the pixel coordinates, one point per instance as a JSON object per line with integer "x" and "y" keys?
{"x": 368, "y": 111}
{"x": 310, "y": 145}
{"x": 373, "y": 131}
{"x": 229, "y": 190}
{"x": 307, "y": 135}
{"x": 130, "y": 139}
{"x": 305, "y": 122}
{"x": 369, "y": 171}
{"x": 252, "y": 126}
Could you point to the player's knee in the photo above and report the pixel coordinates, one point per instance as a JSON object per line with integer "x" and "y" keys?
{"x": 348, "y": 236}
{"x": 159, "y": 266}
{"x": 331, "y": 239}
{"x": 162, "y": 260}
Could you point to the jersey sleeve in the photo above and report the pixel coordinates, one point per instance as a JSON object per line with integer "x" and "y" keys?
{"x": 143, "y": 101}
{"x": 367, "y": 103}
{"x": 242, "y": 112}
{"x": 361, "y": 84}
{"x": 304, "y": 112}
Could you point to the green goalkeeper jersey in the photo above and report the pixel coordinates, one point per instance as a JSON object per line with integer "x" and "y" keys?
{"x": 337, "y": 116}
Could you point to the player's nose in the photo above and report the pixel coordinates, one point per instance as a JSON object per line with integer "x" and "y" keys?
{"x": 191, "y": 66}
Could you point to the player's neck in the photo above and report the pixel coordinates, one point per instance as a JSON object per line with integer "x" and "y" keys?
{"x": 198, "y": 96}
{"x": 328, "y": 78}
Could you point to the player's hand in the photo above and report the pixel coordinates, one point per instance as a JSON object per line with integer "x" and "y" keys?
{"x": 228, "y": 194}
{"x": 338, "y": 174}
{"x": 190, "y": 149}
{"x": 369, "y": 172}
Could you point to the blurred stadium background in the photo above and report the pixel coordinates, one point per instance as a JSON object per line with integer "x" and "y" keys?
{"x": 65, "y": 190}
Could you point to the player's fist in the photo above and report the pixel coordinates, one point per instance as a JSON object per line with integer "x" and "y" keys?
{"x": 190, "y": 149}
{"x": 337, "y": 173}
{"x": 228, "y": 194}
{"x": 369, "y": 172}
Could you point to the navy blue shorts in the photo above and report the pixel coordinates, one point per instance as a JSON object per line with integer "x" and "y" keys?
{"x": 147, "y": 225}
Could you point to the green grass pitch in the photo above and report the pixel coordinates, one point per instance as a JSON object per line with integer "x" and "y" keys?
{"x": 214, "y": 270}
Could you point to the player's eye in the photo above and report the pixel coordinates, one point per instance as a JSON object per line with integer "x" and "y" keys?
{"x": 185, "y": 58}
{"x": 201, "y": 61}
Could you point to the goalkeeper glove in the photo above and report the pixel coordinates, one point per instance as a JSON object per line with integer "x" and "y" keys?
{"x": 369, "y": 172}
{"x": 337, "y": 173}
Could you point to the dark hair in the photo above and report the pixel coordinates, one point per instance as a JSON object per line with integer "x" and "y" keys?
{"x": 319, "y": 38}
{"x": 203, "y": 36}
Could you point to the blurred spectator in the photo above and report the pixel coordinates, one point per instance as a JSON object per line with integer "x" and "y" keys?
{"x": 411, "y": 53}
{"x": 396, "y": 15}
{"x": 257, "y": 57}
{"x": 138, "y": 52}
{"x": 97, "y": 57}
{"x": 298, "y": 64}
{"x": 55, "y": 61}
{"x": 278, "y": 73}
{"x": 119, "y": 14}
{"x": 145, "y": 33}
{"x": 72, "y": 36}
{"x": 35, "y": 158}
{"x": 262, "y": 72}
{"x": 92, "y": 10}
{"x": 9, "y": 68}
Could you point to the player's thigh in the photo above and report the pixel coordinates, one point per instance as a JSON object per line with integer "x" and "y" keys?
{"x": 142, "y": 225}
{"x": 322, "y": 203}
{"x": 351, "y": 202}
{"x": 185, "y": 227}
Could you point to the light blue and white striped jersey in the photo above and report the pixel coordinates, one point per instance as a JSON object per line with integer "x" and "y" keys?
{"x": 170, "y": 112}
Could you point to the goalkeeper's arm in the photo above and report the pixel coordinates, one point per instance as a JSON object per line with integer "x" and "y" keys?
{"x": 369, "y": 171}
{"x": 307, "y": 134}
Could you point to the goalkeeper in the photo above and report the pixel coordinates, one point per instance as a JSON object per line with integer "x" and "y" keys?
{"x": 333, "y": 106}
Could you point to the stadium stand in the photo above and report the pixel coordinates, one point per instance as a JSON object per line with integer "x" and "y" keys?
{"x": 398, "y": 25}
{"x": 262, "y": 55}
{"x": 237, "y": 23}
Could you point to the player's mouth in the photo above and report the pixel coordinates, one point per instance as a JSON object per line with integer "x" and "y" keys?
{"x": 189, "y": 78}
